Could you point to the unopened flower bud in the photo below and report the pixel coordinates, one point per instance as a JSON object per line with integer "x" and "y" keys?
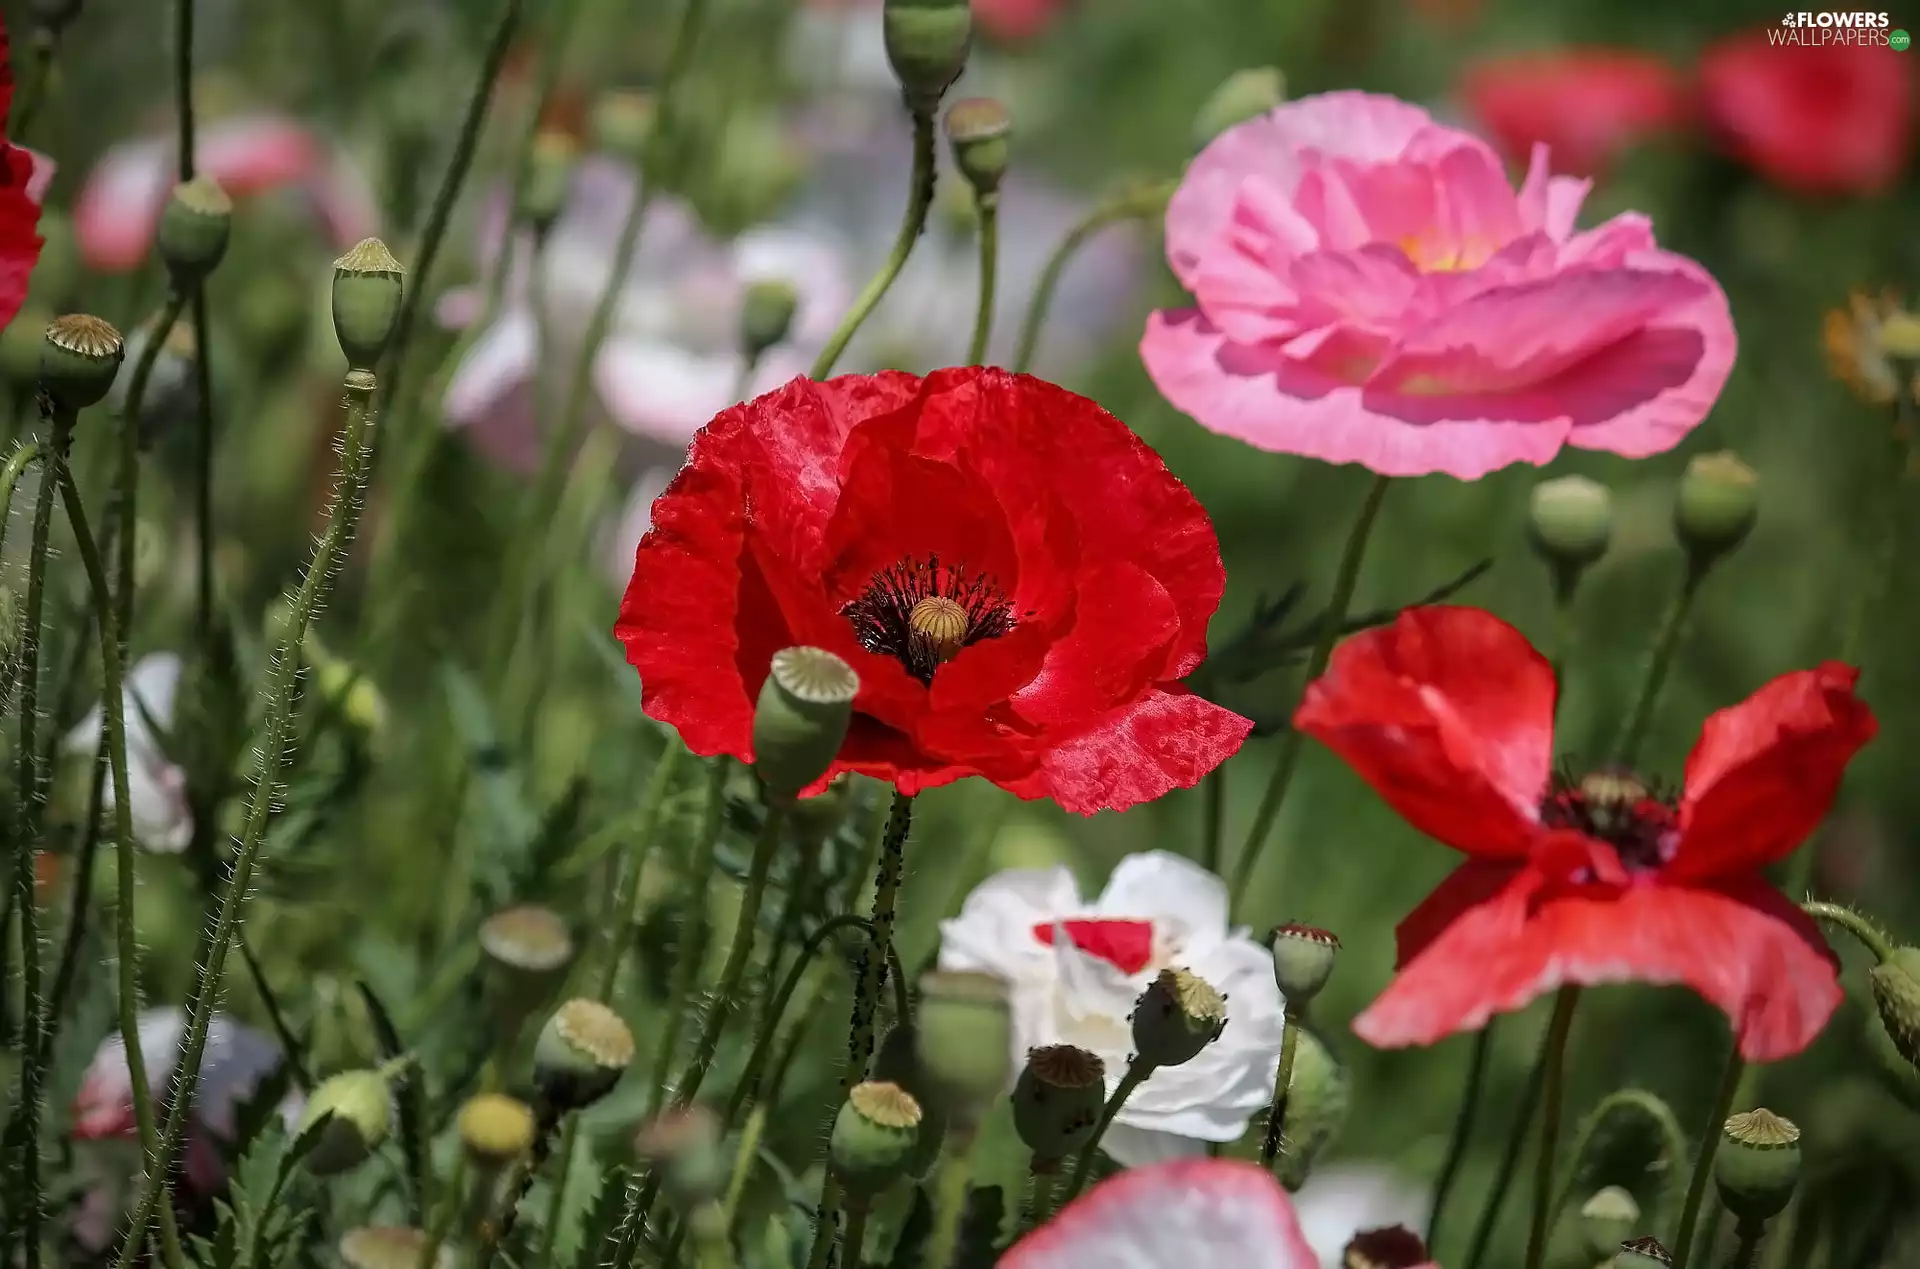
{"x": 927, "y": 44}
{"x": 684, "y": 1143}
{"x": 874, "y": 1136}
{"x": 898, "y": 1062}
{"x": 622, "y": 123}
{"x": 964, "y": 1042}
{"x": 766, "y": 315}
{"x": 79, "y": 358}
{"x": 1303, "y": 958}
{"x": 358, "y": 1109}
{"x": 1896, "y": 992}
{"x": 496, "y": 1129}
{"x": 1392, "y": 1247}
{"x": 1758, "y": 1164}
{"x": 1057, "y": 1102}
{"x": 977, "y": 131}
{"x": 802, "y": 717}
{"x": 1319, "y": 1096}
{"x": 1243, "y": 95}
{"x": 194, "y": 229}
{"x": 1642, "y": 1253}
{"x": 367, "y": 287}
{"x": 1607, "y": 1220}
{"x": 581, "y": 1054}
{"x": 1570, "y": 521}
{"x": 1178, "y": 1015}
{"x": 1718, "y": 502}
{"x": 549, "y": 176}
{"x": 389, "y": 1247}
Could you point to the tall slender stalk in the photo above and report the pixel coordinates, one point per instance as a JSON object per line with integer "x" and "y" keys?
{"x": 1659, "y": 661}
{"x": 687, "y": 967}
{"x": 1496, "y": 1199}
{"x": 1282, "y": 1084}
{"x": 988, "y": 207}
{"x": 1127, "y": 205}
{"x": 127, "y": 485}
{"x": 1555, "y": 1092}
{"x": 202, "y": 474}
{"x": 1683, "y": 1235}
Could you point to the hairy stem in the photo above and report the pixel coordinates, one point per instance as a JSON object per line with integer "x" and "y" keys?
{"x": 1282, "y": 1083}
{"x": 1136, "y": 1075}
{"x": 693, "y": 940}
{"x": 202, "y": 475}
{"x": 1863, "y": 930}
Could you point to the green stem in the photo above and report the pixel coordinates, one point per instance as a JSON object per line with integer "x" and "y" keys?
{"x": 873, "y": 969}
{"x": 127, "y": 486}
{"x": 1746, "y": 1249}
{"x": 450, "y": 1208}
{"x": 950, "y": 1201}
{"x": 1555, "y": 1093}
{"x": 203, "y": 474}
{"x": 1128, "y": 205}
{"x": 183, "y": 83}
{"x": 987, "y": 205}
{"x": 826, "y": 1221}
{"x": 1853, "y": 923}
{"x": 23, "y": 457}
{"x": 1509, "y": 1161}
{"x": 1213, "y": 817}
{"x": 623, "y": 912}
{"x": 1673, "y": 1139}
{"x": 699, "y": 884}
{"x": 853, "y": 1241}
{"x": 711, "y": 1248}
{"x": 46, "y": 42}
{"x": 1659, "y": 661}
{"x": 744, "y": 1159}
{"x": 1291, "y": 740}
{"x": 552, "y": 57}
{"x": 557, "y": 1194}
{"x": 275, "y": 749}
{"x": 1136, "y": 1075}
{"x": 747, "y": 1091}
{"x": 1462, "y": 1134}
{"x": 1282, "y": 1084}
{"x": 919, "y": 203}
{"x": 1703, "y": 1165}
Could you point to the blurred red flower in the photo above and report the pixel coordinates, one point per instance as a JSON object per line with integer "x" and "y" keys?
{"x": 20, "y": 193}
{"x": 1448, "y": 714}
{"x": 836, "y": 514}
{"x": 1822, "y": 119}
{"x": 1017, "y": 21}
{"x": 1588, "y": 104}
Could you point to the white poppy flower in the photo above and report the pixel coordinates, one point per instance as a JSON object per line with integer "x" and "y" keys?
{"x": 1077, "y": 966}
{"x": 156, "y": 788}
{"x": 1343, "y": 1199}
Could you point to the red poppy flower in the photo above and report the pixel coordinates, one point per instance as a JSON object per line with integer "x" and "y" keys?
{"x": 1017, "y": 21}
{"x": 1819, "y": 118}
{"x": 1448, "y": 714}
{"x": 20, "y": 239}
{"x": 1016, "y": 577}
{"x": 1588, "y": 105}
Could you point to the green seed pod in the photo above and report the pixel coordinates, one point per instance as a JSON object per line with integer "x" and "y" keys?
{"x": 1570, "y": 522}
{"x": 79, "y": 358}
{"x": 1178, "y": 1015}
{"x": 549, "y": 177}
{"x": 977, "y": 131}
{"x": 766, "y": 315}
{"x": 622, "y": 123}
{"x": 1390, "y": 1247}
{"x": 1896, "y": 993}
{"x": 1057, "y": 1102}
{"x": 1607, "y": 1220}
{"x": 1303, "y": 957}
{"x": 927, "y": 44}
{"x": 368, "y": 284}
{"x": 495, "y": 1130}
{"x": 194, "y": 229}
{"x": 1243, "y": 95}
{"x": 874, "y": 1136}
{"x": 684, "y": 1144}
{"x": 20, "y": 345}
{"x": 528, "y": 948}
{"x": 1758, "y": 1164}
{"x": 964, "y": 1043}
{"x": 801, "y": 719}
{"x": 1318, "y": 1098}
{"x": 581, "y": 1054}
{"x": 1717, "y": 504}
{"x": 389, "y": 1247}
{"x": 898, "y": 1062}
{"x": 358, "y": 1107}
{"x": 1642, "y": 1253}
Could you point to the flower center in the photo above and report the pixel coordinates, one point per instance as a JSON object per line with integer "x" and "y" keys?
{"x": 1126, "y": 945}
{"x": 923, "y": 612}
{"x": 1619, "y": 809}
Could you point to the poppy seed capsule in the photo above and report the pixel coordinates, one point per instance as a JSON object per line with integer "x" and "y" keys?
{"x": 1178, "y": 1015}
{"x": 898, "y": 1062}
{"x": 1319, "y": 1097}
{"x": 977, "y": 130}
{"x": 801, "y": 719}
{"x": 1717, "y": 504}
{"x": 1758, "y": 1164}
{"x": 684, "y": 1142}
{"x": 1607, "y": 1220}
{"x": 495, "y": 1130}
{"x": 1243, "y": 95}
{"x": 1896, "y": 993}
{"x": 368, "y": 284}
{"x": 1570, "y": 521}
{"x": 766, "y": 315}
{"x": 1642, "y": 1253}
{"x": 358, "y": 1109}
{"x": 79, "y": 358}
{"x": 389, "y": 1247}
{"x": 964, "y": 1042}
{"x": 581, "y": 1054}
{"x": 1057, "y": 1101}
{"x": 194, "y": 228}
{"x": 873, "y": 1137}
{"x": 1303, "y": 957}
{"x": 927, "y": 44}
{"x": 549, "y": 176}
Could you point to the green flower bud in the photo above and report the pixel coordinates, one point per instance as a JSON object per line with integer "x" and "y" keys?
{"x": 1607, "y": 1220}
{"x": 684, "y": 1144}
{"x": 1570, "y": 522}
{"x": 1758, "y": 1164}
{"x": 581, "y": 1054}
{"x": 964, "y": 1042}
{"x": 1303, "y": 958}
{"x": 1391, "y": 1247}
{"x": 1896, "y": 992}
{"x": 977, "y": 131}
{"x": 496, "y": 1129}
{"x": 801, "y": 720}
{"x": 358, "y": 1108}
{"x": 1243, "y": 95}
{"x": 1057, "y": 1102}
{"x": 898, "y": 1062}
{"x": 1318, "y": 1098}
{"x": 1178, "y": 1015}
{"x": 389, "y": 1247}
{"x": 78, "y": 359}
{"x": 766, "y": 315}
{"x": 1642, "y": 1253}
{"x": 549, "y": 176}
{"x": 20, "y": 347}
{"x": 874, "y": 1136}
{"x": 927, "y": 44}
{"x": 622, "y": 123}
{"x": 1718, "y": 502}
{"x": 194, "y": 229}
{"x": 367, "y": 287}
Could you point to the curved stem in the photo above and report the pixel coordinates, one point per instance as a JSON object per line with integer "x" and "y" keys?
{"x": 24, "y": 456}
{"x": 693, "y": 941}
{"x": 747, "y": 1090}
{"x": 1703, "y": 1165}
{"x": 1659, "y": 661}
{"x": 127, "y": 484}
{"x": 950, "y": 1200}
{"x": 1462, "y": 1134}
{"x": 1130, "y": 205}
{"x": 203, "y": 473}
{"x": 1292, "y": 739}
{"x": 743, "y": 1161}
{"x": 988, "y": 208}
{"x": 919, "y": 203}
{"x": 1136, "y": 1075}
{"x": 1282, "y": 1084}
{"x": 276, "y": 746}
{"x": 1868, "y": 935}
{"x": 1625, "y": 1099}
{"x": 1496, "y": 1200}
{"x": 1555, "y": 1092}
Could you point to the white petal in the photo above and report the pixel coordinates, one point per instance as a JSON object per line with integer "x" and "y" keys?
{"x": 994, "y": 931}
{"x": 154, "y": 681}
{"x": 499, "y": 361}
{"x": 1138, "y": 1147}
{"x": 657, "y": 390}
{"x": 1339, "y": 1201}
{"x": 1186, "y": 903}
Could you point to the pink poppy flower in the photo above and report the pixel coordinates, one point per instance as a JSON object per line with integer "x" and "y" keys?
{"x": 23, "y": 183}
{"x": 119, "y": 209}
{"x": 1173, "y": 1215}
{"x": 1370, "y": 289}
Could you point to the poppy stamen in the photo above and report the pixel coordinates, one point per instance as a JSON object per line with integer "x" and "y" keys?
{"x": 922, "y": 613}
{"x": 1618, "y": 808}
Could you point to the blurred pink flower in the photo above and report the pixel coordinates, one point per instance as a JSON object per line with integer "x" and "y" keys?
{"x": 156, "y": 786}
{"x": 1017, "y": 21}
{"x": 1370, "y": 289}
{"x": 119, "y": 209}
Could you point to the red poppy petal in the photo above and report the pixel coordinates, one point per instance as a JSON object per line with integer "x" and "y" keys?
{"x": 20, "y": 240}
{"x": 1448, "y": 714}
{"x": 1765, "y": 771}
{"x": 1124, "y": 634}
{"x": 1473, "y": 883}
{"x": 1163, "y": 741}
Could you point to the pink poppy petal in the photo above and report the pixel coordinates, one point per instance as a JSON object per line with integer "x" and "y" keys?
{"x": 500, "y": 360}
{"x": 256, "y": 154}
{"x": 120, "y": 205}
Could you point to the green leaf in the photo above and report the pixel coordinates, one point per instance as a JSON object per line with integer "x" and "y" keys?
{"x": 410, "y": 1097}
{"x": 601, "y": 1224}
{"x": 509, "y": 828}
